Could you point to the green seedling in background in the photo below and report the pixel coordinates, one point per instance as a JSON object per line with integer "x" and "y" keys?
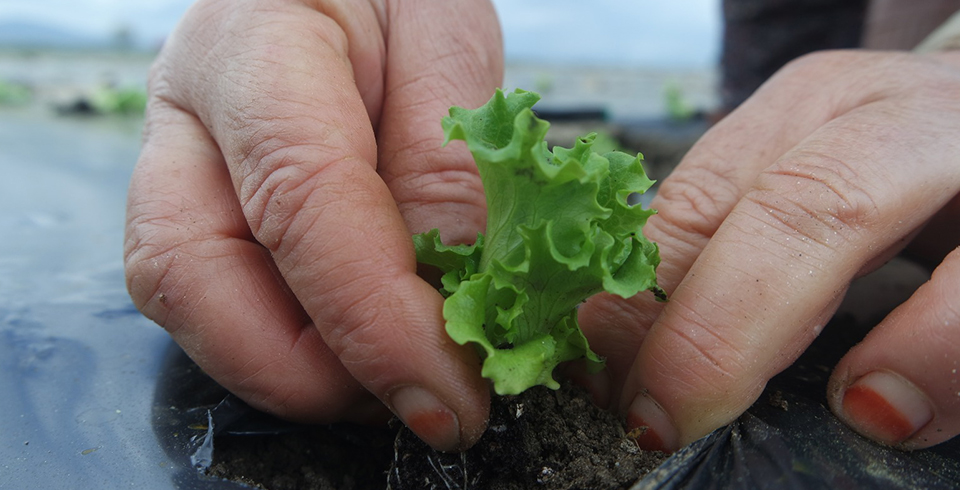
{"x": 125, "y": 101}
{"x": 14, "y": 94}
{"x": 678, "y": 109}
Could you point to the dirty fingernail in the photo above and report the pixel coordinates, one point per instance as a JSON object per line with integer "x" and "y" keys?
{"x": 886, "y": 407}
{"x": 427, "y": 416}
{"x": 650, "y": 426}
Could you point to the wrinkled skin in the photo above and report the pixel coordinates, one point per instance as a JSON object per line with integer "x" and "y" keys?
{"x": 830, "y": 169}
{"x": 291, "y": 149}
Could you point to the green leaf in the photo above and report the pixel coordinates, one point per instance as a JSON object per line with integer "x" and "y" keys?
{"x": 458, "y": 262}
{"x": 559, "y": 229}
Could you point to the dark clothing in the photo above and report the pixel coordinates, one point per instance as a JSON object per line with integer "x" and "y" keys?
{"x": 760, "y": 36}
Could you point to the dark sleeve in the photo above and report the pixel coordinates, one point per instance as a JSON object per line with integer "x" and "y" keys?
{"x": 760, "y": 36}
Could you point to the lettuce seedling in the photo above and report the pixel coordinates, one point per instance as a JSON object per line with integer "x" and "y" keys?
{"x": 559, "y": 229}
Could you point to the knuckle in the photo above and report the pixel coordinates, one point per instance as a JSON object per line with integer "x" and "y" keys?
{"x": 424, "y": 161}
{"x": 159, "y": 268}
{"x": 371, "y": 320}
{"x": 693, "y": 202}
{"x": 839, "y": 81}
{"x": 427, "y": 181}
{"x": 356, "y": 302}
{"x": 279, "y": 181}
{"x": 804, "y": 76}
{"x": 840, "y": 74}
{"x": 934, "y": 93}
{"x": 164, "y": 99}
{"x": 704, "y": 363}
{"x": 148, "y": 269}
{"x": 466, "y": 54}
{"x": 357, "y": 328}
{"x": 819, "y": 61}
{"x": 448, "y": 188}
{"x": 815, "y": 196}
{"x": 145, "y": 259}
{"x": 842, "y": 66}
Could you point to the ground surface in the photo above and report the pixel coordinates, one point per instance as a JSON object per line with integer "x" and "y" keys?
{"x": 543, "y": 439}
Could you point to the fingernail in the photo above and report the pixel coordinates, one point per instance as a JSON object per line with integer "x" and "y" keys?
{"x": 650, "y": 426}
{"x": 886, "y": 407}
{"x": 427, "y": 416}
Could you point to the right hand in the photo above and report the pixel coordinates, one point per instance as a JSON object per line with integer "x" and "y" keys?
{"x": 830, "y": 169}
{"x": 291, "y": 149}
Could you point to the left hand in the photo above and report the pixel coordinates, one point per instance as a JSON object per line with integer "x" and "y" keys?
{"x": 830, "y": 169}
{"x": 291, "y": 148}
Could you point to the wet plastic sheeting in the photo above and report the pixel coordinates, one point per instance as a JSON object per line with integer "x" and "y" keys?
{"x": 79, "y": 366}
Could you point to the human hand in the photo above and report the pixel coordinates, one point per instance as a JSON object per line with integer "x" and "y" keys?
{"x": 291, "y": 149}
{"x": 830, "y": 169}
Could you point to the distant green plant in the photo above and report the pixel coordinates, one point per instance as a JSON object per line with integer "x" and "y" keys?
{"x": 14, "y": 94}
{"x": 604, "y": 142}
{"x": 544, "y": 83}
{"x": 678, "y": 108}
{"x": 127, "y": 101}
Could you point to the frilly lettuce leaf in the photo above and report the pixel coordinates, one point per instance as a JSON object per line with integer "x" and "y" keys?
{"x": 559, "y": 229}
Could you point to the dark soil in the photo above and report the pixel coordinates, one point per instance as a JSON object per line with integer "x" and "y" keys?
{"x": 541, "y": 439}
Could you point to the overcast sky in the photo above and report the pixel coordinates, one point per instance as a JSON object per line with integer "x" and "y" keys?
{"x": 681, "y": 33}
{"x": 636, "y": 32}
{"x": 151, "y": 20}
